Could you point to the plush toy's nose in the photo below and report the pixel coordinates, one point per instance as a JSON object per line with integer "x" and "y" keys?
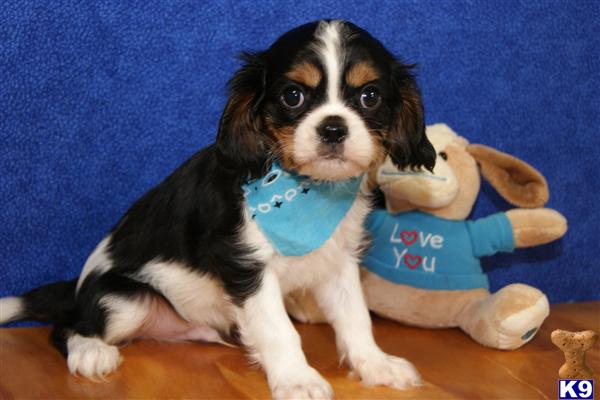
{"x": 418, "y": 188}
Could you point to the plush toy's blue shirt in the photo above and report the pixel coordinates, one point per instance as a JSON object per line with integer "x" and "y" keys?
{"x": 295, "y": 213}
{"x": 429, "y": 252}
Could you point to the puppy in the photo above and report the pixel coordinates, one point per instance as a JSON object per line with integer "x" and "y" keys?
{"x": 210, "y": 252}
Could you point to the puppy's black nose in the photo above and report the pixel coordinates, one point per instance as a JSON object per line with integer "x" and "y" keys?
{"x": 333, "y": 130}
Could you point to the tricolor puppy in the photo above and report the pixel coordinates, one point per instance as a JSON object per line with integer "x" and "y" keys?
{"x": 276, "y": 204}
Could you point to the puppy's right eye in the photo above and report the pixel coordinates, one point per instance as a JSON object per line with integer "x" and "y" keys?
{"x": 292, "y": 96}
{"x": 443, "y": 155}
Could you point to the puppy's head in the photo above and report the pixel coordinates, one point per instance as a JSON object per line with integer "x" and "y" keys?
{"x": 326, "y": 100}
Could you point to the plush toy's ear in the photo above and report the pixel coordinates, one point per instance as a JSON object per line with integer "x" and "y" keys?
{"x": 408, "y": 144}
{"x": 517, "y": 182}
{"x": 242, "y": 144}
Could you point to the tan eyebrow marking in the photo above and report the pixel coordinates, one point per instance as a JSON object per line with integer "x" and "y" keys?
{"x": 361, "y": 73}
{"x": 305, "y": 73}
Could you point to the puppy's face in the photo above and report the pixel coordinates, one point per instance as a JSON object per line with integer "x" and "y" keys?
{"x": 328, "y": 101}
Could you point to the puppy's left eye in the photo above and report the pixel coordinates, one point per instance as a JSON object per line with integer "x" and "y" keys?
{"x": 370, "y": 97}
{"x": 292, "y": 96}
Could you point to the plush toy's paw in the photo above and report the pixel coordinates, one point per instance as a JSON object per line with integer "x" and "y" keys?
{"x": 304, "y": 384}
{"x": 507, "y": 319}
{"x": 521, "y": 327}
{"x": 385, "y": 370}
{"x": 533, "y": 227}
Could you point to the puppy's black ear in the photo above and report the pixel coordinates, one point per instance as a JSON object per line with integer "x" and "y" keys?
{"x": 408, "y": 143}
{"x": 242, "y": 144}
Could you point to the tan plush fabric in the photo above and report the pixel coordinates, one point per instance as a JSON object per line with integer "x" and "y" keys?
{"x": 414, "y": 306}
{"x": 486, "y": 320}
{"x": 497, "y": 320}
{"x": 536, "y": 227}
{"x": 469, "y": 182}
{"x": 518, "y": 182}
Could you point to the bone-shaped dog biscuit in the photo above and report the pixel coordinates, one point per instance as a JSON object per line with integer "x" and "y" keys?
{"x": 574, "y": 345}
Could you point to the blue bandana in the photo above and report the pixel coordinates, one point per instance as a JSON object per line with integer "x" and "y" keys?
{"x": 295, "y": 213}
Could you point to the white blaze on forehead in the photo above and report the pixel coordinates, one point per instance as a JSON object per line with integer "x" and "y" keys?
{"x": 358, "y": 147}
{"x": 329, "y": 47}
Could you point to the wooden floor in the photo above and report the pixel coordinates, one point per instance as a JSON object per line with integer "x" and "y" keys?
{"x": 452, "y": 365}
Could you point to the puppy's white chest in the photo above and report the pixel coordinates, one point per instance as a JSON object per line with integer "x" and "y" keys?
{"x": 309, "y": 269}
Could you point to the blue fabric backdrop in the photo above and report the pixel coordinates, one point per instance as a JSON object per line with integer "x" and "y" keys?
{"x": 101, "y": 100}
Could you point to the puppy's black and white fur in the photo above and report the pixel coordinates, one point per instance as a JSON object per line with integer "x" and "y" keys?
{"x": 187, "y": 262}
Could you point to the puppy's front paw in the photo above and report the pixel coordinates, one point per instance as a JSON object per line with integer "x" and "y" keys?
{"x": 303, "y": 384}
{"x": 385, "y": 370}
{"x": 91, "y": 357}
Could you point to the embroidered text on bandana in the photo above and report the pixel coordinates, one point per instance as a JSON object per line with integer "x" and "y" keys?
{"x": 295, "y": 213}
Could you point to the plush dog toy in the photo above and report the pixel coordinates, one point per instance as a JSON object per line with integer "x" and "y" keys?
{"x": 423, "y": 267}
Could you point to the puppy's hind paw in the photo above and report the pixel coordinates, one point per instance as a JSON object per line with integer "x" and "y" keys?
{"x": 307, "y": 384}
{"x": 385, "y": 370}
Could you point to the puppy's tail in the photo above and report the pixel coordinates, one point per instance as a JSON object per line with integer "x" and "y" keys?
{"x": 53, "y": 303}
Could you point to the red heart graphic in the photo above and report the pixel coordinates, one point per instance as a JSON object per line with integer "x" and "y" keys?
{"x": 408, "y": 237}
{"x": 412, "y": 262}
